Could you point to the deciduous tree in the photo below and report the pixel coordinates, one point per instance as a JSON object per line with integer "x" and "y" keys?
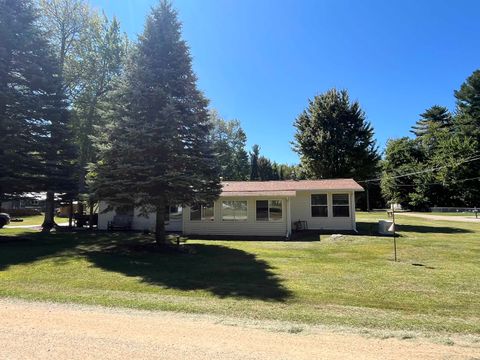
{"x": 334, "y": 139}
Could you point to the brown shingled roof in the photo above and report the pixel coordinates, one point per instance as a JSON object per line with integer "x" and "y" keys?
{"x": 289, "y": 185}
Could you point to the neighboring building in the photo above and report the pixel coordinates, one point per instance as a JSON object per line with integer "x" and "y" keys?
{"x": 29, "y": 201}
{"x": 261, "y": 208}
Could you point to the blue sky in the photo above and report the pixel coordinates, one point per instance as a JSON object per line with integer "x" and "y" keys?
{"x": 260, "y": 61}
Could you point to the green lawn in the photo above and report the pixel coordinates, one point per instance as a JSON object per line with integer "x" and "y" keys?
{"x": 34, "y": 220}
{"x": 351, "y": 282}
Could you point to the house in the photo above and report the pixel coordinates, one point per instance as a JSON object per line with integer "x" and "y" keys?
{"x": 27, "y": 204}
{"x": 260, "y": 208}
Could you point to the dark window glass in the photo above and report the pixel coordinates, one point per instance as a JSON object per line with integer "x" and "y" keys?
{"x": 319, "y": 211}
{"x": 195, "y": 213}
{"x": 341, "y": 205}
{"x": 262, "y": 210}
{"x": 340, "y": 199}
{"x": 319, "y": 199}
{"x": 319, "y": 205}
{"x": 341, "y": 211}
{"x": 176, "y": 212}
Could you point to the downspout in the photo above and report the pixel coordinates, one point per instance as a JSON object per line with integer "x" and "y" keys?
{"x": 352, "y": 207}
{"x": 289, "y": 219}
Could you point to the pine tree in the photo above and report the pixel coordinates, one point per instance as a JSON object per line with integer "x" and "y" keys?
{"x": 435, "y": 118}
{"x": 254, "y": 162}
{"x": 334, "y": 140}
{"x": 468, "y": 106}
{"x": 32, "y": 104}
{"x": 265, "y": 169}
{"x": 159, "y": 150}
{"x": 467, "y": 126}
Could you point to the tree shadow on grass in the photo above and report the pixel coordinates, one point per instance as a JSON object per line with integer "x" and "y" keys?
{"x": 433, "y": 229}
{"x": 220, "y": 270}
{"x": 25, "y": 248}
{"x": 371, "y": 229}
{"x": 29, "y": 247}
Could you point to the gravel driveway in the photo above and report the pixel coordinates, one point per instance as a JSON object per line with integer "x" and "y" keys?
{"x": 56, "y": 331}
{"x": 440, "y": 217}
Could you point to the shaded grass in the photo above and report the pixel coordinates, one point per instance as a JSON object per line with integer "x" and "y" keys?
{"x": 34, "y": 220}
{"x": 350, "y": 282}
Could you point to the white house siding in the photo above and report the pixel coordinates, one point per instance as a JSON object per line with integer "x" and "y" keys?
{"x": 250, "y": 227}
{"x": 301, "y": 210}
{"x": 139, "y": 222}
{"x": 104, "y": 217}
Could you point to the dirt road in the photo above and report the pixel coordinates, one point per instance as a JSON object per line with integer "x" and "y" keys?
{"x": 440, "y": 217}
{"x": 56, "y": 331}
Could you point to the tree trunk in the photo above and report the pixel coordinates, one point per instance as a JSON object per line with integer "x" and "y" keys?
{"x": 160, "y": 226}
{"x": 70, "y": 214}
{"x": 48, "y": 222}
{"x": 90, "y": 217}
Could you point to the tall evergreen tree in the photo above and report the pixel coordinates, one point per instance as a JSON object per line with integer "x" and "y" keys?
{"x": 254, "y": 162}
{"x": 334, "y": 139}
{"x": 435, "y": 118}
{"x": 159, "y": 151}
{"x": 265, "y": 169}
{"x": 468, "y": 106}
{"x": 467, "y": 125}
{"x": 32, "y": 105}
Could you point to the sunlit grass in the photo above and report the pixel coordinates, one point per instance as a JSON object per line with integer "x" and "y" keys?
{"x": 351, "y": 281}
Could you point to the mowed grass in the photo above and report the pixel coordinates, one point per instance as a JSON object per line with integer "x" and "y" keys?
{"x": 348, "y": 282}
{"x": 33, "y": 220}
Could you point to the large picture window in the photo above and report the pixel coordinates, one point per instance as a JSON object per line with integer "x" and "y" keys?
{"x": 269, "y": 210}
{"x": 202, "y": 213}
{"x": 319, "y": 204}
{"x": 234, "y": 211}
{"x": 341, "y": 205}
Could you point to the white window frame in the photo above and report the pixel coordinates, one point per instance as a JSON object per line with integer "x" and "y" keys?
{"x": 326, "y": 205}
{"x": 234, "y": 220}
{"x": 268, "y": 211}
{"x": 348, "y": 206}
{"x": 202, "y": 213}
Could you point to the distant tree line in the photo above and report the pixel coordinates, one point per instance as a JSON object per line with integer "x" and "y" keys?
{"x": 440, "y": 165}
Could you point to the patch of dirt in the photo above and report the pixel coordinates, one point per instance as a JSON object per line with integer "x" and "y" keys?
{"x": 57, "y": 331}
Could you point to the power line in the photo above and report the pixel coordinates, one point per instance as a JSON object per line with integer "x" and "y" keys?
{"x": 467, "y": 160}
{"x": 438, "y": 183}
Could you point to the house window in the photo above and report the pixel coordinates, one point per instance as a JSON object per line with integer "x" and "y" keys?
{"x": 173, "y": 213}
{"x": 341, "y": 205}
{"x": 319, "y": 204}
{"x": 234, "y": 211}
{"x": 269, "y": 210}
{"x": 202, "y": 213}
